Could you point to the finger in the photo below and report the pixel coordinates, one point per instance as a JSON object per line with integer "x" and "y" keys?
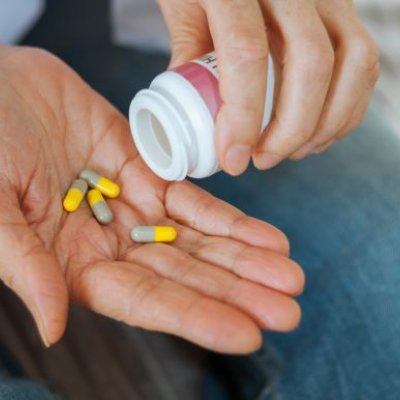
{"x": 255, "y": 264}
{"x": 324, "y": 147}
{"x": 193, "y": 207}
{"x": 355, "y": 75}
{"x": 357, "y": 115}
{"x": 355, "y": 119}
{"x": 306, "y": 63}
{"x": 270, "y": 309}
{"x": 188, "y": 31}
{"x": 32, "y": 272}
{"x": 139, "y": 297}
{"x": 238, "y": 32}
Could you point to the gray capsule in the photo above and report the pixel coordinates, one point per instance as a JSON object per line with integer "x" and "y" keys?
{"x": 143, "y": 234}
{"x": 99, "y": 206}
{"x": 102, "y": 213}
{"x": 90, "y": 177}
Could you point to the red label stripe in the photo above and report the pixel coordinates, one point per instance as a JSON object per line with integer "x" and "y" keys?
{"x": 205, "y": 83}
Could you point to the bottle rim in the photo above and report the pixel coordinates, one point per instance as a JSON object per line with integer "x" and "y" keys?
{"x": 159, "y": 133}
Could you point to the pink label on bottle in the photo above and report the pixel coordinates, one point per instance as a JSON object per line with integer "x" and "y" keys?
{"x": 205, "y": 83}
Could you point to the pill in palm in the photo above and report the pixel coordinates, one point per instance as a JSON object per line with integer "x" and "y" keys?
{"x": 75, "y": 195}
{"x": 99, "y": 206}
{"x": 107, "y": 187}
{"x": 148, "y": 234}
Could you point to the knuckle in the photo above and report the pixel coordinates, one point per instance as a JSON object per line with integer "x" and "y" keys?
{"x": 318, "y": 61}
{"x": 247, "y": 47}
{"x": 365, "y": 54}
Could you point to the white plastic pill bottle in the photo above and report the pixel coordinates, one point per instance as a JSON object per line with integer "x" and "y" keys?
{"x": 172, "y": 122}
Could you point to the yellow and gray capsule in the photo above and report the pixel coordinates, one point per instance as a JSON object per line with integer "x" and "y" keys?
{"x": 106, "y": 187}
{"x": 75, "y": 195}
{"x": 147, "y": 234}
{"x": 99, "y": 206}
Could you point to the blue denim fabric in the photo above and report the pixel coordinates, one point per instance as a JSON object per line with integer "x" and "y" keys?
{"x": 12, "y": 384}
{"x": 18, "y": 389}
{"x": 341, "y": 212}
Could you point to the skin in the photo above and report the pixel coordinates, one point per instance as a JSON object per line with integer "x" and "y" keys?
{"x": 326, "y": 65}
{"x": 226, "y": 277}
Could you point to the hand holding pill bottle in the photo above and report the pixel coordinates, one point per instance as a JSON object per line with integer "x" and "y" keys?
{"x": 172, "y": 122}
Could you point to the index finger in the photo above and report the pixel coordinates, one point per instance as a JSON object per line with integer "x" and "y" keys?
{"x": 239, "y": 36}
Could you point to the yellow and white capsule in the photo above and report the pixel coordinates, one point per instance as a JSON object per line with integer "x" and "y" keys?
{"x": 75, "y": 195}
{"x": 106, "y": 187}
{"x": 99, "y": 207}
{"x": 148, "y": 234}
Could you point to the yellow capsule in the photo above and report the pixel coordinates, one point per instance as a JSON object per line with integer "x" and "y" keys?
{"x": 99, "y": 207}
{"x": 75, "y": 195}
{"x": 147, "y": 234}
{"x": 106, "y": 187}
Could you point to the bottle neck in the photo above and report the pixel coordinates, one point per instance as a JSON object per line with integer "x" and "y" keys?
{"x": 162, "y": 135}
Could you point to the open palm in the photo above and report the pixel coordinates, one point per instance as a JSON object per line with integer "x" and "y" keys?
{"x": 226, "y": 277}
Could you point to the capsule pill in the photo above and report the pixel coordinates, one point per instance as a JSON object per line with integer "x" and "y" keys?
{"x": 75, "y": 195}
{"x": 99, "y": 206}
{"x": 148, "y": 234}
{"x": 107, "y": 187}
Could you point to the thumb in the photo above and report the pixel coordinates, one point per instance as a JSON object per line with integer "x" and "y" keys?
{"x": 32, "y": 272}
{"x": 188, "y": 31}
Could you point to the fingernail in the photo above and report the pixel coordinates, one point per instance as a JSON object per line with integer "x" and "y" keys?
{"x": 42, "y": 334}
{"x": 303, "y": 152}
{"x": 266, "y": 160}
{"x": 46, "y": 344}
{"x": 237, "y": 158}
{"x": 44, "y": 339}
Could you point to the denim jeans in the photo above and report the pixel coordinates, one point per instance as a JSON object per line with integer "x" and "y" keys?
{"x": 341, "y": 213}
{"x": 14, "y": 387}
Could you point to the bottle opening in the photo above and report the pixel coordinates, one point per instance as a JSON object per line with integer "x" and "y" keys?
{"x": 153, "y": 138}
